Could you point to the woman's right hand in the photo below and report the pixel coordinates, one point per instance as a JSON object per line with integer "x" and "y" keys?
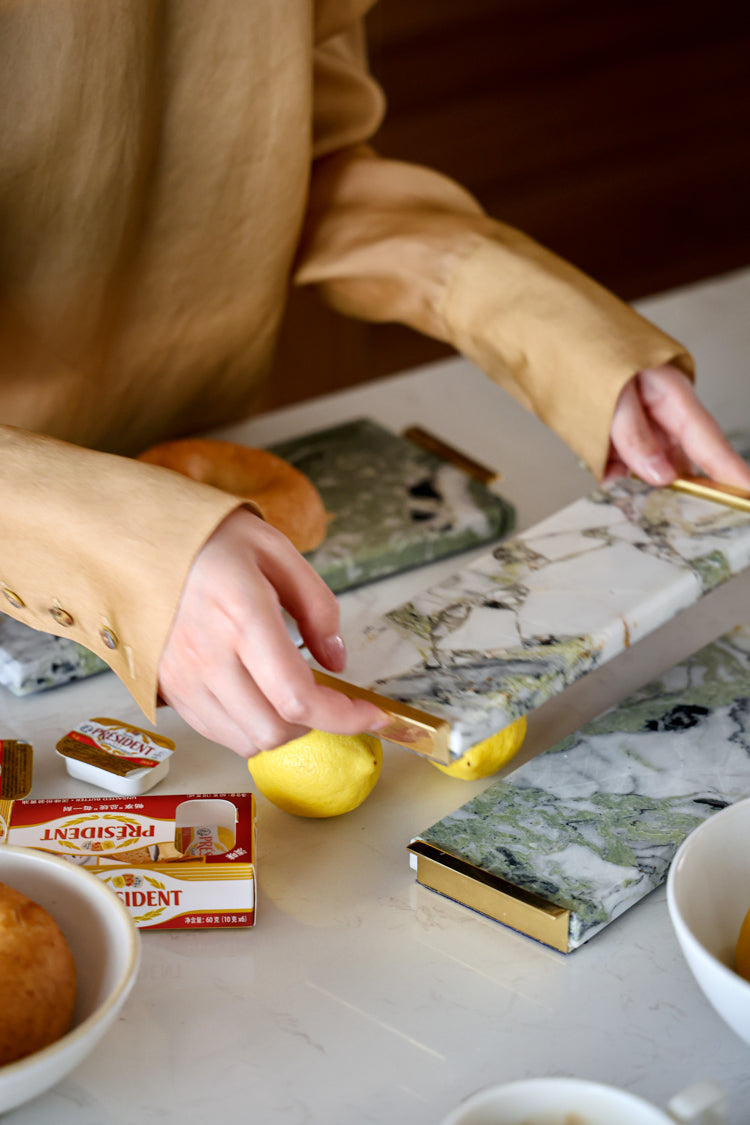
{"x": 229, "y": 666}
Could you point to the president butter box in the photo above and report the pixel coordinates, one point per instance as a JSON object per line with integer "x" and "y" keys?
{"x": 177, "y": 862}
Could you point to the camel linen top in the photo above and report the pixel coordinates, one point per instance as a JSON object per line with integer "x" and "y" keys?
{"x": 167, "y": 169}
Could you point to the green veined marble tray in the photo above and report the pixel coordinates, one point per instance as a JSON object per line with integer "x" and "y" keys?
{"x": 394, "y": 505}
{"x": 588, "y": 828}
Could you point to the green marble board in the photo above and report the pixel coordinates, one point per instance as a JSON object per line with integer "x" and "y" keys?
{"x": 591, "y": 825}
{"x": 394, "y": 505}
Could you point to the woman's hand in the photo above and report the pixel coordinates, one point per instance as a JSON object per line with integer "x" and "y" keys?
{"x": 661, "y": 431}
{"x": 230, "y": 668}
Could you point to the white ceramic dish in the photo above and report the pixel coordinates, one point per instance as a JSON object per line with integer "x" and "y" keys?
{"x": 708, "y": 893}
{"x": 105, "y": 945}
{"x": 132, "y": 785}
{"x": 557, "y": 1101}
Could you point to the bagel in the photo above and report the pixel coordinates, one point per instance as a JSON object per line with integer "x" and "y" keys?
{"x": 281, "y": 494}
{"x": 37, "y": 977}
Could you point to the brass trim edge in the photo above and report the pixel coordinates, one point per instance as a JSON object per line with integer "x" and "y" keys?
{"x": 416, "y": 730}
{"x": 491, "y": 895}
{"x": 441, "y": 449}
{"x": 707, "y": 489}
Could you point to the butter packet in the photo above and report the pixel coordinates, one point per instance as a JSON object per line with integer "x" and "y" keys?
{"x": 116, "y": 756}
{"x": 142, "y": 848}
{"x": 16, "y": 767}
{"x": 16, "y": 761}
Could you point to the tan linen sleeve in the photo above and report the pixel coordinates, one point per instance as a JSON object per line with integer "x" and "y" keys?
{"x": 97, "y": 548}
{"x": 390, "y": 241}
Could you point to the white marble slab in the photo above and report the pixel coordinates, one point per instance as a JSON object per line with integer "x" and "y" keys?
{"x": 500, "y": 636}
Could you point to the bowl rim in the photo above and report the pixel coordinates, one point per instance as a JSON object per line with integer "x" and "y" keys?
{"x": 486, "y": 1095}
{"x": 126, "y": 977}
{"x": 683, "y": 930}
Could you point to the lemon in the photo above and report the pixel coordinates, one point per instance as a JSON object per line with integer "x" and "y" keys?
{"x": 319, "y": 774}
{"x": 742, "y": 956}
{"x": 490, "y": 755}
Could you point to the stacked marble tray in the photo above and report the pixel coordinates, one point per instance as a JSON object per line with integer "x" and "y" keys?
{"x": 515, "y": 627}
{"x": 579, "y": 834}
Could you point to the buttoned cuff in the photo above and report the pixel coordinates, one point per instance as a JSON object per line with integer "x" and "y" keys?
{"x": 561, "y": 344}
{"x": 97, "y": 548}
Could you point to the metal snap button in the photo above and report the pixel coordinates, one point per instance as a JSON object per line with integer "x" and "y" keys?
{"x": 109, "y": 637}
{"x": 12, "y": 597}
{"x": 61, "y": 616}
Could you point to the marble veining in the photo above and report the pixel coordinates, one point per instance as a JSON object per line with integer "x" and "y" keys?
{"x": 31, "y": 661}
{"x": 393, "y": 505}
{"x": 593, "y": 823}
{"x": 516, "y": 626}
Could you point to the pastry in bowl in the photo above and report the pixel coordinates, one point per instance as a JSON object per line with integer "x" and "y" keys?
{"x": 105, "y": 946}
{"x": 37, "y": 977}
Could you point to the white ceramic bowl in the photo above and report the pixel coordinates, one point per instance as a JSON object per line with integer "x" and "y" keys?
{"x": 708, "y": 893}
{"x": 105, "y": 945}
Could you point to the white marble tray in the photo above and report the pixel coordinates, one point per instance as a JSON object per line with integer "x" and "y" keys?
{"x": 512, "y": 629}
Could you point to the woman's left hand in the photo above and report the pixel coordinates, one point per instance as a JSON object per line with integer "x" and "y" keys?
{"x": 661, "y": 431}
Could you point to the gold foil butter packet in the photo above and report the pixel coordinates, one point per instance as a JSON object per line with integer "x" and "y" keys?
{"x": 115, "y": 755}
{"x": 16, "y": 768}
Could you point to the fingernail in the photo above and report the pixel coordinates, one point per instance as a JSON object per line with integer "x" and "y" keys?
{"x": 383, "y": 720}
{"x": 335, "y": 651}
{"x": 657, "y": 470}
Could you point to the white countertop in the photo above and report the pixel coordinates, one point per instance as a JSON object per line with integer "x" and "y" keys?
{"x": 360, "y": 996}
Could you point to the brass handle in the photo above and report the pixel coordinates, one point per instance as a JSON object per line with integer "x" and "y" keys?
{"x": 707, "y": 489}
{"x": 453, "y": 456}
{"x": 417, "y": 730}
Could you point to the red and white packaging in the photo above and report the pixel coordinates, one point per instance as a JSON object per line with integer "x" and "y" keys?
{"x": 177, "y": 862}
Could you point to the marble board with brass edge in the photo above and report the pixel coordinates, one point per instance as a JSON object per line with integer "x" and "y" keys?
{"x": 584, "y": 831}
{"x": 516, "y": 626}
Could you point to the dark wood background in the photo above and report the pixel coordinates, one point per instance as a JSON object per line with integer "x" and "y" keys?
{"x": 617, "y": 133}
